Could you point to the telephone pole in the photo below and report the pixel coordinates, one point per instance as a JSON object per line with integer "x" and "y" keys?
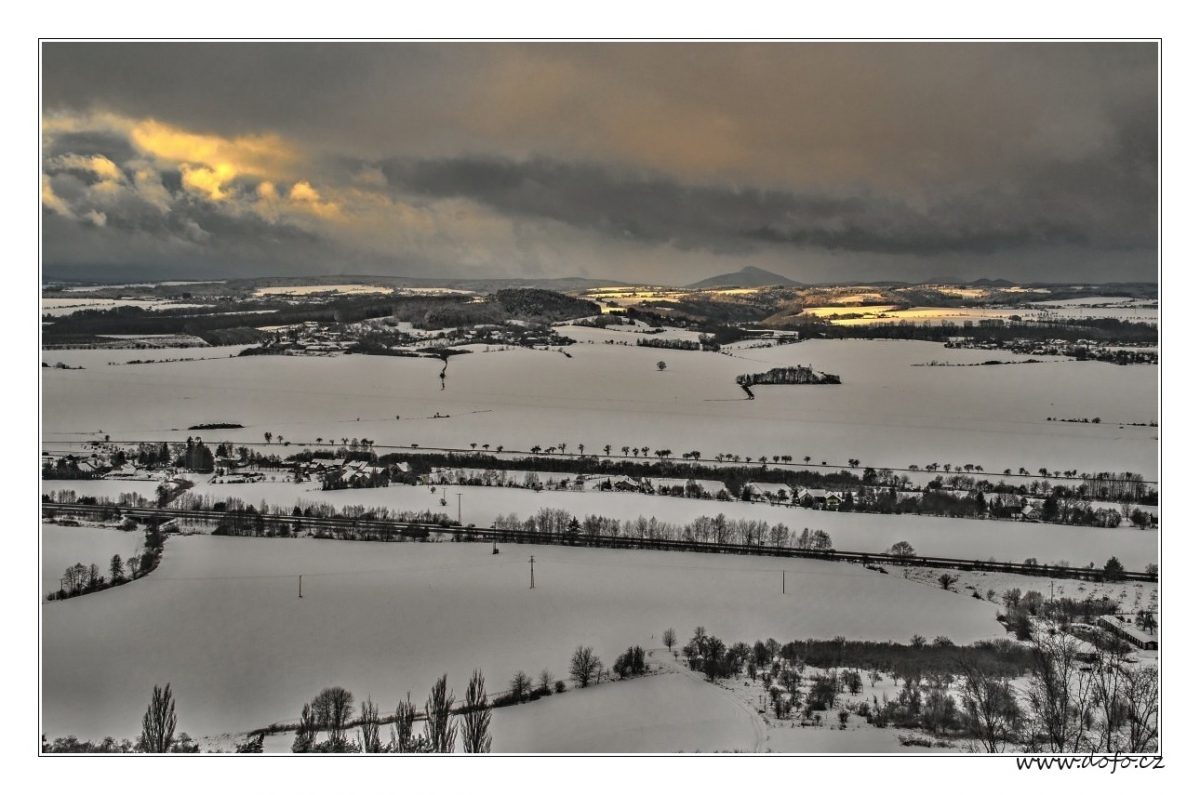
{"x": 300, "y": 587}
{"x": 531, "y": 572}
{"x": 784, "y": 573}
{"x": 459, "y": 493}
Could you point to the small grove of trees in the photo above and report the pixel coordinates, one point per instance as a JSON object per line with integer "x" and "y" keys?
{"x": 79, "y": 580}
{"x": 1073, "y": 701}
{"x": 631, "y": 663}
{"x": 585, "y": 667}
{"x": 331, "y": 713}
{"x": 709, "y": 655}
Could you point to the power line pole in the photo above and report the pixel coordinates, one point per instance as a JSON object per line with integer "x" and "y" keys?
{"x": 784, "y": 573}
{"x": 531, "y": 572}
{"x": 459, "y": 493}
{"x": 300, "y": 587}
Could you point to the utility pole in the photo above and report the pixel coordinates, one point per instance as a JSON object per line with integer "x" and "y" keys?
{"x": 531, "y": 572}
{"x": 459, "y": 493}
{"x": 300, "y": 587}
{"x": 784, "y": 573}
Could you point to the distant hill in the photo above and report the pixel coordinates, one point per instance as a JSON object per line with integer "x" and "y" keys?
{"x": 749, "y": 276}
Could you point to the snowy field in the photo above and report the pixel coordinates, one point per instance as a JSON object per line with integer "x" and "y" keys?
{"x": 104, "y": 357}
{"x": 58, "y": 307}
{"x": 886, "y": 413}
{"x": 667, "y": 713}
{"x": 221, "y": 621}
{"x": 66, "y": 546}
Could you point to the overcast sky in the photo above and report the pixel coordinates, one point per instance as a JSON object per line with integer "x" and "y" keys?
{"x": 660, "y": 163}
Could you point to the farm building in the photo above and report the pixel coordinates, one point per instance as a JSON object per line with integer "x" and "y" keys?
{"x": 1129, "y": 633}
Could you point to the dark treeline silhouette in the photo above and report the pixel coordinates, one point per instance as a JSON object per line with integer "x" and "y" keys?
{"x": 705, "y": 343}
{"x": 212, "y": 324}
{"x": 530, "y": 305}
{"x": 788, "y": 375}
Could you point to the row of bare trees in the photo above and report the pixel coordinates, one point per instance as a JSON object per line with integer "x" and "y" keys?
{"x": 331, "y": 713}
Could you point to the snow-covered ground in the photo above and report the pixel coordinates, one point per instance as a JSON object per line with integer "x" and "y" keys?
{"x": 1130, "y": 596}
{"x": 220, "y": 620}
{"x": 886, "y": 412}
{"x": 975, "y": 539}
{"x": 666, "y": 713}
{"x": 103, "y": 357}
{"x": 58, "y": 307}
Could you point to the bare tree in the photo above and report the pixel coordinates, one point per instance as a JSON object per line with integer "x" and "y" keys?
{"x": 520, "y": 685}
{"x": 668, "y": 638}
{"x": 585, "y": 666}
{"x": 332, "y": 709}
{"x": 158, "y": 724}
{"x": 546, "y": 680}
{"x": 1059, "y": 694}
{"x": 370, "y": 728}
{"x": 477, "y": 718}
{"x": 1139, "y": 690}
{"x": 440, "y": 728}
{"x": 991, "y": 713}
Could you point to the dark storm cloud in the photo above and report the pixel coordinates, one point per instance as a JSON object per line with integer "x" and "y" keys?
{"x": 566, "y": 157}
{"x": 115, "y": 147}
{"x": 654, "y": 209}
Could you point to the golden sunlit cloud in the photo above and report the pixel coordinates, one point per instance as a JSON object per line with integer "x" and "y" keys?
{"x": 207, "y": 181}
{"x": 257, "y": 155}
{"x": 304, "y": 195}
{"x": 304, "y": 192}
{"x": 51, "y": 200}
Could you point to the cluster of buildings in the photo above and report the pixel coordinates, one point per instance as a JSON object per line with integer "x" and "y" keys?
{"x": 343, "y": 471}
{"x": 808, "y": 498}
{"x": 311, "y": 338}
